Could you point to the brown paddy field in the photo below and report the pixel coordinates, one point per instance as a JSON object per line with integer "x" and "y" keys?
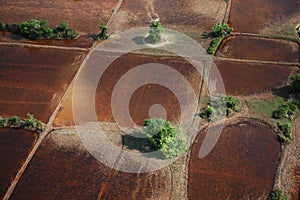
{"x": 34, "y": 79}
{"x": 15, "y": 147}
{"x": 143, "y": 98}
{"x": 83, "y": 15}
{"x": 183, "y": 15}
{"x": 265, "y": 16}
{"x": 257, "y": 48}
{"x": 248, "y": 78}
{"x": 241, "y": 166}
{"x": 63, "y": 169}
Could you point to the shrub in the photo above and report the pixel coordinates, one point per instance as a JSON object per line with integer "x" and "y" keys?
{"x": 103, "y": 32}
{"x": 164, "y": 136}
{"x": 29, "y": 123}
{"x": 2, "y": 26}
{"x": 64, "y": 31}
{"x": 296, "y": 82}
{"x": 224, "y": 105}
{"x": 284, "y": 132}
{"x": 286, "y": 111}
{"x": 278, "y": 194}
{"x": 35, "y": 29}
{"x": 13, "y": 28}
{"x": 155, "y": 32}
{"x": 214, "y": 45}
{"x": 221, "y": 30}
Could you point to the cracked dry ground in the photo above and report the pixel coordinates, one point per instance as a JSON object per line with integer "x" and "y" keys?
{"x": 36, "y": 77}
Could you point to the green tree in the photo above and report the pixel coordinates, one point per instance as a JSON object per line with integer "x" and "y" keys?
{"x": 155, "y": 32}
{"x": 165, "y": 137}
{"x": 278, "y": 194}
{"x": 296, "y": 82}
{"x": 221, "y": 30}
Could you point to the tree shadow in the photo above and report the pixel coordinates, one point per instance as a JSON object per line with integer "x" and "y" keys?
{"x": 206, "y": 35}
{"x": 139, "y": 40}
{"x": 283, "y": 92}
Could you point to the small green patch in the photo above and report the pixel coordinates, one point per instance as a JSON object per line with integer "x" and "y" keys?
{"x": 29, "y": 123}
{"x": 103, "y": 32}
{"x": 214, "y": 45}
{"x": 277, "y": 194}
{"x": 224, "y": 105}
{"x": 155, "y": 32}
{"x": 221, "y": 30}
{"x": 266, "y": 106}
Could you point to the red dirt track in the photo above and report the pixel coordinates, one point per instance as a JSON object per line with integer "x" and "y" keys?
{"x": 62, "y": 169}
{"x": 33, "y": 79}
{"x": 15, "y": 147}
{"x": 83, "y": 16}
{"x": 241, "y": 165}
{"x": 242, "y": 78}
{"x": 255, "y": 48}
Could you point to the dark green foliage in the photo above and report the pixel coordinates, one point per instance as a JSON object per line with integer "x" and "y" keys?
{"x": 155, "y": 32}
{"x": 2, "y": 26}
{"x": 221, "y": 30}
{"x": 296, "y": 82}
{"x": 36, "y": 29}
{"x": 64, "y": 31}
{"x": 164, "y": 136}
{"x": 277, "y": 194}
{"x": 103, "y": 32}
{"x": 224, "y": 105}
{"x": 13, "y": 28}
{"x": 286, "y": 111}
{"x": 285, "y": 132}
{"x": 214, "y": 45}
{"x": 29, "y": 123}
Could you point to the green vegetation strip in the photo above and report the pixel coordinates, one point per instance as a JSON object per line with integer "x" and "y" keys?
{"x": 39, "y": 29}
{"x": 29, "y": 123}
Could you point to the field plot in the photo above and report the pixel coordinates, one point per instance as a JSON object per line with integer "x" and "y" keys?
{"x": 83, "y": 16}
{"x": 265, "y": 16}
{"x": 144, "y": 97}
{"x": 14, "y": 148}
{"x": 241, "y": 166}
{"x": 34, "y": 79}
{"x": 184, "y": 16}
{"x": 245, "y": 78}
{"x": 255, "y": 48}
{"x": 63, "y": 169}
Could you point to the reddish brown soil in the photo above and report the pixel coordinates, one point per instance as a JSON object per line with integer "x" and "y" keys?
{"x": 81, "y": 42}
{"x": 252, "y": 16}
{"x": 241, "y": 165}
{"x": 62, "y": 169}
{"x": 144, "y": 97}
{"x": 33, "y": 80}
{"x": 254, "y": 48}
{"x": 242, "y": 78}
{"x": 182, "y": 15}
{"x": 83, "y": 16}
{"x": 14, "y": 148}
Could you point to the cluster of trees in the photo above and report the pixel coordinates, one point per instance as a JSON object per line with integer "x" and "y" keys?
{"x": 224, "y": 105}
{"x": 286, "y": 113}
{"x": 165, "y": 137}
{"x": 40, "y": 29}
{"x": 219, "y": 31}
{"x": 29, "y": 123}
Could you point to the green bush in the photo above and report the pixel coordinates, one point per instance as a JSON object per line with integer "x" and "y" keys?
{"x": 103, "y": 32}
{"x": 224, "y": 105}
{"x": 278, "y": 194}
{"x": 29, "y": 123}
{"x": 164, "y": 136}
{"x": 155, "y": 32}
{"x": 2, "y": 26}
{"x": 35, "y": 29}
{"x": 296, "y": 82}
{"x": 221, "y": 30}
{"x": 284, "y": 132}
{"x": 64, "y": 31}
{"x": 286, "y": 111}
{"x": 214, "y": 45}
{"x": 13, "y": 28}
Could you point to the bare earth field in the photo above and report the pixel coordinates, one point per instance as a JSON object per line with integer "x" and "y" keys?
{"x": 265, "y": 16}
{"x": 34, "y": 79}
{"x": 245, "y": 78}
{"x": 14, "y": 148}
{"x": 241, "y": 166}
{"x": 63, "y": 169}
{"x": 83, "y": 16}
{"x": 255, "y": 48}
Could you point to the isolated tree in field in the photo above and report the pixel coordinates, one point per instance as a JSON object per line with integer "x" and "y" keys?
{"x": 155, "y": 32}
{"x": 165, "y": 137}
{"x": 103, "y": 34}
